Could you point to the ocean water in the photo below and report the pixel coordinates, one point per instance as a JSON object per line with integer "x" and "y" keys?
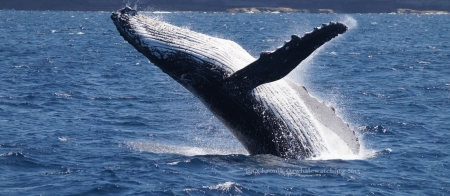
{"x": 83, "y": 113}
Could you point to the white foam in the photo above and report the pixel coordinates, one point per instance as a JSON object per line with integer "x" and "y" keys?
{"x": 336, "y": 148}
{"x": 63, "y": 139}
{"x": 159, "y": 148}
{"x": 225, "y": 187}
{"x": 161, "y": 12}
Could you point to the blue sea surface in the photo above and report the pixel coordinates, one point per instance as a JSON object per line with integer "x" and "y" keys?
{"x": 83, "y": 113}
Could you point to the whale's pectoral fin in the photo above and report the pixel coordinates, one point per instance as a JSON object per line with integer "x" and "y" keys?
{"x": 272, "y": 66}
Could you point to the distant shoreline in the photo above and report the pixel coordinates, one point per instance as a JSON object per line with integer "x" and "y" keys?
{"x": 234, "y": 6}
{"x": 325, "y": 11}
{"x": 259, "y": 10}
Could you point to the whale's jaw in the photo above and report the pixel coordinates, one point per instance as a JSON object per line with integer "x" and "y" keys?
{"x": 266, "y": 112}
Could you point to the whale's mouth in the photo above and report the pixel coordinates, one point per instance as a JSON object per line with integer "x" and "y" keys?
{"x": 266, "y": 112}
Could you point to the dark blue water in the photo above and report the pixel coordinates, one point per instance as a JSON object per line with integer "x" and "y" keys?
{"x": 83, "y": 113}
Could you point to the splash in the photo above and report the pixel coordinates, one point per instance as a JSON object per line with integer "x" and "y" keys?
{"x": 159, "y": 148}
{"x": 226, "y": 187}
{"x": 351, "y": 22}
{"x": 135, "y": 6}
{"x": 338, "y": 149}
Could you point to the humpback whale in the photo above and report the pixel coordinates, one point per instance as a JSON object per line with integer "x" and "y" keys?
{"x": 265, "y": 111}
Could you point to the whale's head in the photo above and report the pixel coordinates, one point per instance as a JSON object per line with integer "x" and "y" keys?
{"x": 185, "y": 55}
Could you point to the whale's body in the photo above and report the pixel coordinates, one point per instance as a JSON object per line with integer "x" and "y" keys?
{"x": 265, "y": 111}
